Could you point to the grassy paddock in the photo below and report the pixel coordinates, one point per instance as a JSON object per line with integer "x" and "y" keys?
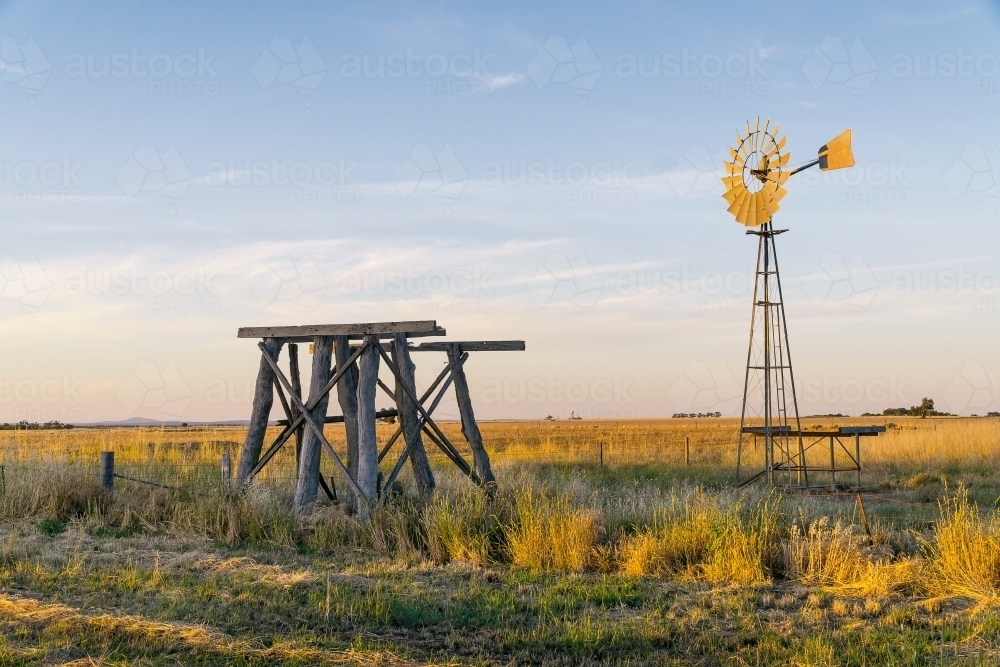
{"x": 644, "y": 560}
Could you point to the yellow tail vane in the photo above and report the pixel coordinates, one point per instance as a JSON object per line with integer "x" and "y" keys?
{"x": 836, "y": 154}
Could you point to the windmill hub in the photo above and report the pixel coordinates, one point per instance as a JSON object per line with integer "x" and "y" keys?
{"x": 755, "y": 172}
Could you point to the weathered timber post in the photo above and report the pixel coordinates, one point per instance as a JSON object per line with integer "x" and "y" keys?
{"x": 263, "y": 399}
{"x": 307, "y": 483}
{"x": 347, "y": 396}
{"x": 833, "y": 468}
{"x": 226, "y": 470}
{"x": 409, "y": 419}
{"x": 367, "y": 445}
{"x": 687, "y": 450}
{"x": 857, "y": 456}
{"x": 296, "y": 380}
{"x": 108, "y": 471}
{"x": 480, "y": 459}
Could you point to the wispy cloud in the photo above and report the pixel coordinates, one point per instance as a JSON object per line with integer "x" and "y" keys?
{"x": 498, "y": 82}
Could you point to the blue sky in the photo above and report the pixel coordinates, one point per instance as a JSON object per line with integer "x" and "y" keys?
{"x": 546, "y": 173}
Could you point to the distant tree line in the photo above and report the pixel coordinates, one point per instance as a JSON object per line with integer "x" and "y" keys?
{"x": 925, "y": 409}
{"x": 25, "y": 425}
{"x": 696, "y": 415}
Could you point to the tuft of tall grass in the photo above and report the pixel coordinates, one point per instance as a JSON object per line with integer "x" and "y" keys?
{"x": 548, "y": 531}
{"x": 747, "y": 549}
{"x": 676, "y": 543}
{"x": 835, "y": 557}
{"x": 699, "y": 537}
{"x": 47, "y": 490}
{"x": 964, "y": 551}
{"x": 467, "y": 525}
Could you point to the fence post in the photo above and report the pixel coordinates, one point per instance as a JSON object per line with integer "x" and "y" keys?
{"x": 600, "y": 449}
{"x": 108, "y": 470}
{"x": 687, "y": 450}
{"x": 227, "y": 472}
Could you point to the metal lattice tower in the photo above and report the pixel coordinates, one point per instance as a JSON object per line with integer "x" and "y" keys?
{"x": 770, "y": 407}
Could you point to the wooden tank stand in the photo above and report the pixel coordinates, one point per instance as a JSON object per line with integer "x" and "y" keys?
{"x": 353, "y": 370}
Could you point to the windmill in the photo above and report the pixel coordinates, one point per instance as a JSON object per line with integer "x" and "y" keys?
{"x": 755, "y": 176}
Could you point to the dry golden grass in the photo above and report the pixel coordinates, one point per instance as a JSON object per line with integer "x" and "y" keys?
{"x": 838, "y": 559}
{"x": 965, "y": 552}
{"x": 551, "y": 532}
{"x": 565, "y": 565}
{"x": 921, "y": 443}
{"x": 707, "y": 537}
{"x": 549, "y": 514}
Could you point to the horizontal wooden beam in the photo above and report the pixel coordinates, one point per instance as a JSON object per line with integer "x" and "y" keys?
{"x": 339, "y": 419}
{"x": 308, "y": 331}
{"x": 464, "y": 346}
{"x": 472, "y": 346}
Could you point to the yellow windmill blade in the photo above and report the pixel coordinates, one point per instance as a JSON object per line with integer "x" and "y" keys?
{"x": 738, "y": 199}
{"x": 750, "y": 219}
{"x": 771, "y": 207}
{"x": 744, "y": 211}
{"x": 776, "y": 147}
{"x": 837, "y": 154}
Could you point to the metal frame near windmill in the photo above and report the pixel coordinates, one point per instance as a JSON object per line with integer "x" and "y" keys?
{"x": 353, "y": 369}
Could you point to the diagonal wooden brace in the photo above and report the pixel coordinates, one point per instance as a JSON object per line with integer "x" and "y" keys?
{"x": 421, "y": 426}
{"x": 459, "y": 461}
{"x": 423, "y": 399}
{"x": 300, "y": 419}
{"x": 307, "y": 418}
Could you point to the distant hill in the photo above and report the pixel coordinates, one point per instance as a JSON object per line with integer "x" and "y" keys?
{"x": 143, "y": 421}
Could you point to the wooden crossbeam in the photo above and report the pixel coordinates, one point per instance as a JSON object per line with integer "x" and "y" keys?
{"x": 464, "y": 346}
{"x": 306, "y": 332}
{"x": 339, "y": 419}
{"x": 472, "y": 346}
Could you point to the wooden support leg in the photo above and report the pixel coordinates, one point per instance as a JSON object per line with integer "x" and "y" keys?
{"x": 857, "y": 456}
{"x": 307, "y": 483}
{"x": 480, "y": 459}
{"x": 367, "y": 445}
{"x": 409, "y": 419}
{"x": 833, "y": 468}
{"x": 347, "y": 396}
{"x": 296, "y": 379}
{"x": 263, "y": 399}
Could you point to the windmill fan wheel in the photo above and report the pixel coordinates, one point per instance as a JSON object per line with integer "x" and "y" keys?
{"x": 755, "y": 174}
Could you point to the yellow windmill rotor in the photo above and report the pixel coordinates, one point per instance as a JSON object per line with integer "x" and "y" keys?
{"x": 757, "y": 170}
